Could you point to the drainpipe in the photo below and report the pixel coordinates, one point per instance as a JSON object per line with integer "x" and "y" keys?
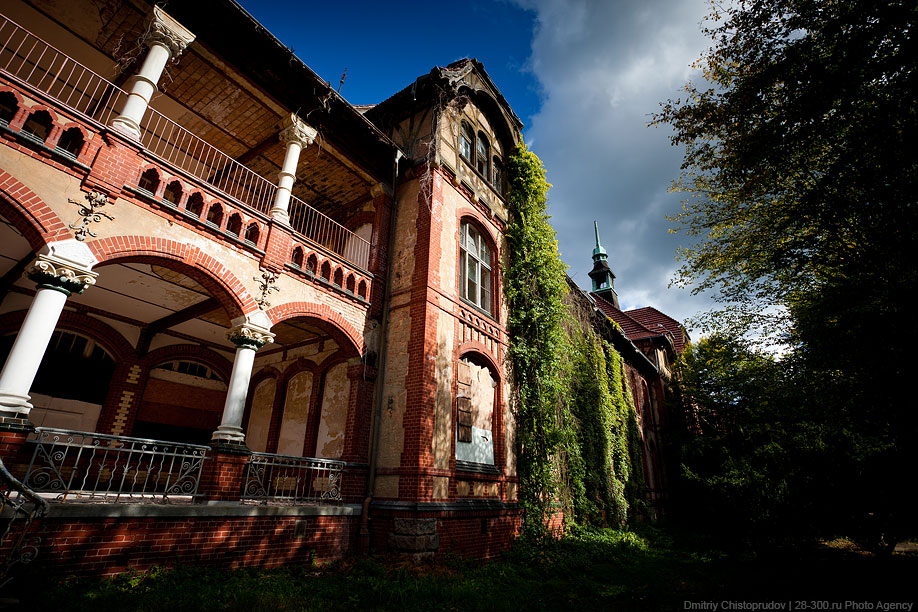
{"x": 381, "y": 378}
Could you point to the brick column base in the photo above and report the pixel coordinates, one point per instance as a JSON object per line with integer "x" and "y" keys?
{"x": 14, "y": 451}
{"x": 224, "y": 471}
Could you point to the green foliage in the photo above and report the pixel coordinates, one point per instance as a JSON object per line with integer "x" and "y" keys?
{"x": 534, "y": 287}
{"x": 801, "y": 178}
{"x": 576, "y": 422}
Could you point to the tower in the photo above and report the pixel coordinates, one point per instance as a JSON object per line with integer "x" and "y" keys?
{"x": 603, "y": 278}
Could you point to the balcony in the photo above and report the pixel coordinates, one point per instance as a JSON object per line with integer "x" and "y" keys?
{"x": 37, "y": 67}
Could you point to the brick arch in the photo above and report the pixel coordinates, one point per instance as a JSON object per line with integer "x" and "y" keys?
{"x": 29, "y": 214}
{"x": 204, "y": 268}
{"x": 339, "y": 328}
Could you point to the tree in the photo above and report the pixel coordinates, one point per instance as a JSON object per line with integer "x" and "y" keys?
{"x": 801, "y": 171}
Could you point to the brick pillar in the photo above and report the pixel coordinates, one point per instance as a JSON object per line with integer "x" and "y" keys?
{"x": 14, "y": 451}
{"x": 223, "y": 474}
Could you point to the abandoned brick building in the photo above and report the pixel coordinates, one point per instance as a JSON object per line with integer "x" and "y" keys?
{"x": 255, "y": 323}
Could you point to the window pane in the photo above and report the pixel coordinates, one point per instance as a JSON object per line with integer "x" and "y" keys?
{"x": 485, "y": 254}
{"x": 473, "y": 281}
{"x": 462, "y": 257}
{"x": 485, "y": 302}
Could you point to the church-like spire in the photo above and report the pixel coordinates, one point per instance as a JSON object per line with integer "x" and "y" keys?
{"x": 601, "y": 274}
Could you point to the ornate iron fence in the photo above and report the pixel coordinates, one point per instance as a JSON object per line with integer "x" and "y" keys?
{"x": 286, "y": 479}
{"x": 18, "y": 508}
{"x": 82, "y": 466}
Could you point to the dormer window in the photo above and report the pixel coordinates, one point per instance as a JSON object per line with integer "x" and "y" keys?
{"x": 466, "y": 138}
{"x": 474, "y": 267}
{"x": 483, "y": 157}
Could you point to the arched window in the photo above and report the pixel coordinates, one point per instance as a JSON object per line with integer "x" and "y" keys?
{"x": 196, "y": 204}
{"x": 297, "y": 258}
{"x": 235, "y": 224}
{"x": 71, "y": 142}
{"x": 474, "y": 267}
{"x": 9, "y": 106}
{"x": 476, "y": 400}
{"x": 149, "y": 181}
{"x": 483, "y": 156}
{"x": 252, "y": 233}
{"x": 466, "y": 142}
{"x": 215, "y": 215}
{"x": 38, "y": 125}
{"x": 173, "y": 193}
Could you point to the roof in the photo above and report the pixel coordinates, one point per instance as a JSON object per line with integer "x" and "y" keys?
{"x": 465, "y": 75}
{"x": 641, "y": 323}
{"x": 654, "y": 320}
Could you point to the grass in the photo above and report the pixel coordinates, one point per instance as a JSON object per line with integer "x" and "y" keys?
{"x": 591, "y": 570}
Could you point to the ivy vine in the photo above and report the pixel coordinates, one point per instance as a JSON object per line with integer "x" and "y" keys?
{"x": 578, "y": 441}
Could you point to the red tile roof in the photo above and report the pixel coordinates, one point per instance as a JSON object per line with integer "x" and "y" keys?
{"x": 643, "y": 323}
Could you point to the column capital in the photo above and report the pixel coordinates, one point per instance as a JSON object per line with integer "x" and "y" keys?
{"x": 249, "y": 336}
{"x": 52, "y": 272}
{"x": 295, "y": 130}
{"x": 168, "y": 32}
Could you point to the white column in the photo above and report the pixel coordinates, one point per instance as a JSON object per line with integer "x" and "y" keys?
{"x": 297, "y": 135}
{"x": 248, "y": 339}
{"x": 167, "y": 39}
{"x": 57, "y": 280}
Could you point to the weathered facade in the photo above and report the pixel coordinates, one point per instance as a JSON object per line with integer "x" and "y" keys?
{"x": 649, "y": 343}
{"x": 252, "y": 322}
{"x": 260, "y": 324}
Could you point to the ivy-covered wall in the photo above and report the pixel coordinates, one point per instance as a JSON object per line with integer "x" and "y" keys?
{"x": 577, "y": 434}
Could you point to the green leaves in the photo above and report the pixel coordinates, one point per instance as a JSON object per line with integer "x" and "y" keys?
{"x": 534, "y": 287}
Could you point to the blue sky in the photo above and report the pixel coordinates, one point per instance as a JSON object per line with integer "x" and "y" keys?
{"x": 584, "y": 77}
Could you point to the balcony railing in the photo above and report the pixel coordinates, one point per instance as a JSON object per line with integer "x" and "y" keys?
{"x": 82, "y": 466}
{"x": 40, "y": 66}
{"x": 286, "y": 479}
{"x": 328, "y": 232}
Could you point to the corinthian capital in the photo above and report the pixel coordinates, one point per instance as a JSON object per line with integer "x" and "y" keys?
{"x": 165, "y": 30}
{"x": 298, "y": 131}
{"x": 52, "y": 272}
{"x": 249, "y": 336}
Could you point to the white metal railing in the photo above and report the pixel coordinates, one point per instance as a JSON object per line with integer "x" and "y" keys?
{"x": 33, "y": 61}
{"x": 329, "y": 233}
{"x": 84, "y": 466}
{"x": 30, "y": 60}
{"x": 271, "y": 478}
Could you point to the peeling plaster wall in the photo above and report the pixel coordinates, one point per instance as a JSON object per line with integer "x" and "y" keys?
{"x": 441, "y": 446}
{"x": 296, "y": 414}
{"x": 330, "y": 441}
{"x": 256, "y": 437}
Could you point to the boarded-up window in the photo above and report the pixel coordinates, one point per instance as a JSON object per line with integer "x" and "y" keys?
{"x": 475, "y": 399}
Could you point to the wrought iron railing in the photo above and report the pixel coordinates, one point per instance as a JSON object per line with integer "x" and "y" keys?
{"x": 30, "y": 60}
{"x": 329, "y": 233}
{"x": 83, "y": 466}
{"x": 286, "y": 479}
{"x": 18, "y": 508}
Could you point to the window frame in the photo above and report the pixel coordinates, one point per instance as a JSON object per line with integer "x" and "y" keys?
{"x": 483, "y": 246}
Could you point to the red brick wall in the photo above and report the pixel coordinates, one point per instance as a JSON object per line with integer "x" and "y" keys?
{"x": 108, "y": 546}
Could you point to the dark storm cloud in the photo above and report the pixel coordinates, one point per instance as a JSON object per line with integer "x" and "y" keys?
{"x": 603, "y": 67}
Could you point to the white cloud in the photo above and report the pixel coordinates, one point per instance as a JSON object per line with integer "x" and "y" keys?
{"x": 603, "y": 68}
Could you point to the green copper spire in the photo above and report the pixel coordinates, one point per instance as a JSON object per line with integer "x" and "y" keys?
{"x": 601, "y": 274}
{"x": 598, "y": 251}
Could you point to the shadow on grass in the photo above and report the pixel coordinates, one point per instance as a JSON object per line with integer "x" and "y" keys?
{"x": 651, "y": 569}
